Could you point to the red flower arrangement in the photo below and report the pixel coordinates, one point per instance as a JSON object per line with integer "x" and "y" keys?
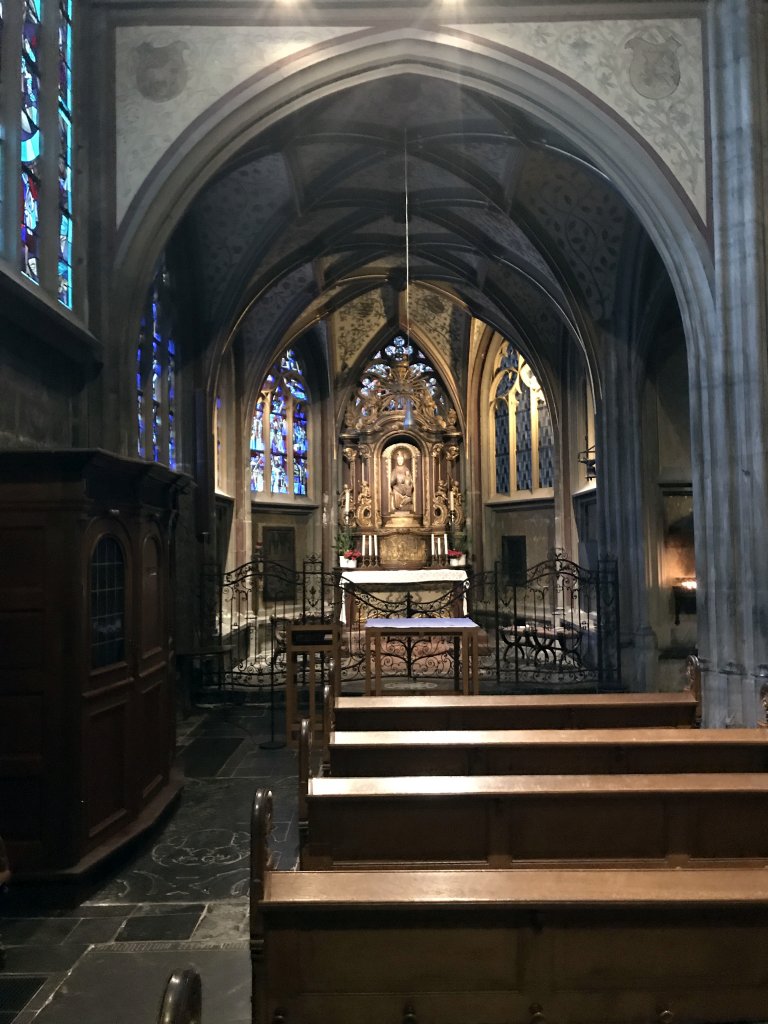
{"x": 352, "y": 553}
{"x": 454, "y": 554}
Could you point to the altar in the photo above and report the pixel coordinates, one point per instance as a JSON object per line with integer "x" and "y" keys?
{"x": 426, "y": 581}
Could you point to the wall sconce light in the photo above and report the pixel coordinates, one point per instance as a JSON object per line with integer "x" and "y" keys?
{"x": 684, "y": 594}
{"x": 588, "y": 459}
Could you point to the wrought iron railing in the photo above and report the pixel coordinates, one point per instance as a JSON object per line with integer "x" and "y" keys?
{"x": 557, "y": 627}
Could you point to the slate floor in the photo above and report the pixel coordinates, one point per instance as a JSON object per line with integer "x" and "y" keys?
{"x": 102, "y": 953}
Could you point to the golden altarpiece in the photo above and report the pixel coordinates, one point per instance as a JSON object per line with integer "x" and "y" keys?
{"x": 401, "y": 446}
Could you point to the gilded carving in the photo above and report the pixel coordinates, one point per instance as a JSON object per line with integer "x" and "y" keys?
{"x": 364, "y": 506}
{"x": 403, "y": 548}
{"x": 440, "y": 505}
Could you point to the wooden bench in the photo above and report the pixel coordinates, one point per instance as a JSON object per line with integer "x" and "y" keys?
{"x": 547, "y": 751}
{"x": 525, "y": 820}
{"x": 550, "y": 711}
{"x": 477, "y": 946}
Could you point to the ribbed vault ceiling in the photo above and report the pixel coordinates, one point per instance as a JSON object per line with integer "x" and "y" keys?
{"x": 506, "y": 222}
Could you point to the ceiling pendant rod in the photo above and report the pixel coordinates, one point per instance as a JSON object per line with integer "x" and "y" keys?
{"x": 408, "y": 411}
{"x": 407, "y": 239}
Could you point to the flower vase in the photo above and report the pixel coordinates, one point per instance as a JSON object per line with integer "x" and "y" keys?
{"x": 347, "y": 563}
{"x": 457, "y": 560}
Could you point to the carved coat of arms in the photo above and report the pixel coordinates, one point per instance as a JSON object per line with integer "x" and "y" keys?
{"x": 654, "y": 70}
{"x": 161, "y": 71}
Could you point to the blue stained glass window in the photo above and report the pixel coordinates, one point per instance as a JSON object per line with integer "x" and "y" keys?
{"x": 296, "y": 388}
{"x": 278, "y": 425}
{"x": 156, "y": 374}
{"x": 257, "y": 428}
{"x": 140, "y": 348}
{"x": 31, "y": 141}
{"x": 65, "y": 151}
{"x": 280, "y": 462}
{"x": 300, "y": 448}
{"x": 501, "y": 424}
{"x": 257, "y": 472}
{"x": 510, "y": 359}
{"x": 279, "y": 480}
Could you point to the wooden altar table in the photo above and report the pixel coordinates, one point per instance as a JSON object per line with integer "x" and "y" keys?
{"x": 464, "y": 631}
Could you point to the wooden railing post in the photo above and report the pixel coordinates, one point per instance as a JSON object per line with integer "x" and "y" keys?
{"x": 261, "y": 826}
{"x": 182, "y": 999}
{"x": 305, "y": 773}
{"x": 693, "y": 683}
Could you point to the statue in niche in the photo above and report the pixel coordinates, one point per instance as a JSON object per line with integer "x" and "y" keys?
{"x": 401, "y": 484}
{"x": 363, "y": 507}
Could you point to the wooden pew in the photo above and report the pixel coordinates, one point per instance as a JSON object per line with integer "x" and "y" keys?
{"x": 548, "y": 711}
{"x": 547, "y": 751}
{"x": 478, "y": 946}
{"x": 527, "y": 820}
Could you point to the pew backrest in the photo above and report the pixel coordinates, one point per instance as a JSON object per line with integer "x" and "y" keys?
{"x": 546, "y": 751}
{"x": 517, "y": 711}
{"x": 525, "y": 820}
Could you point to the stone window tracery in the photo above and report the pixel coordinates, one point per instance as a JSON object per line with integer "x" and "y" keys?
{"x": 400, "y": 380}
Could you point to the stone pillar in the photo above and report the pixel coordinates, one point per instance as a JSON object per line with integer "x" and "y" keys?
{"x": 728, "y": 372}
{"x": 620, "y": 498}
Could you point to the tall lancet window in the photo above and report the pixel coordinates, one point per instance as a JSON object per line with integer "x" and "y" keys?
{"x": 280, "y": 432}
{"x": 31, "y": 170}
{"x": 522, "y": 432}
{"x": 65, "y": 151}
{"x": 156, "y": 374}
{"x": 36, "y": 175}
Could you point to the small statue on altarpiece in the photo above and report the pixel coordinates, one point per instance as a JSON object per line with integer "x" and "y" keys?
{"x": 401, "y": 485}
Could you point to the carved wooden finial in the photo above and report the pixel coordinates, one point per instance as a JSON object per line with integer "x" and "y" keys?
{"x": 536, "y": 1011}
{"x": 409, "y": 1014}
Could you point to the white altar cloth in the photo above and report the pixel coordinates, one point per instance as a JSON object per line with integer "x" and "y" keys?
{"x": 359, "y": 577}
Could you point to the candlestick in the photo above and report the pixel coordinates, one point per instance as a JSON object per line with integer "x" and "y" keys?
{"x": 451, "y": 496}
{"x": 375, "y": 545}
{"x": 346, "y": 499}
{"x": 432, "y": 544}
{"x": 445, "y": 543}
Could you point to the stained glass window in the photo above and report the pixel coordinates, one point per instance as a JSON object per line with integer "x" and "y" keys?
{"x": 65, "y": 151}
{"x": 280, "y": 432}
{"x": 37, "y": 176}
{"x": 521, "y": 424}
{"x": 156, "y": 374}
{"x": 31, "y": 141}
{"x": 501, "y": 425}
{"x": 546, "y": 445}
{"x": 523, "y": 440}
